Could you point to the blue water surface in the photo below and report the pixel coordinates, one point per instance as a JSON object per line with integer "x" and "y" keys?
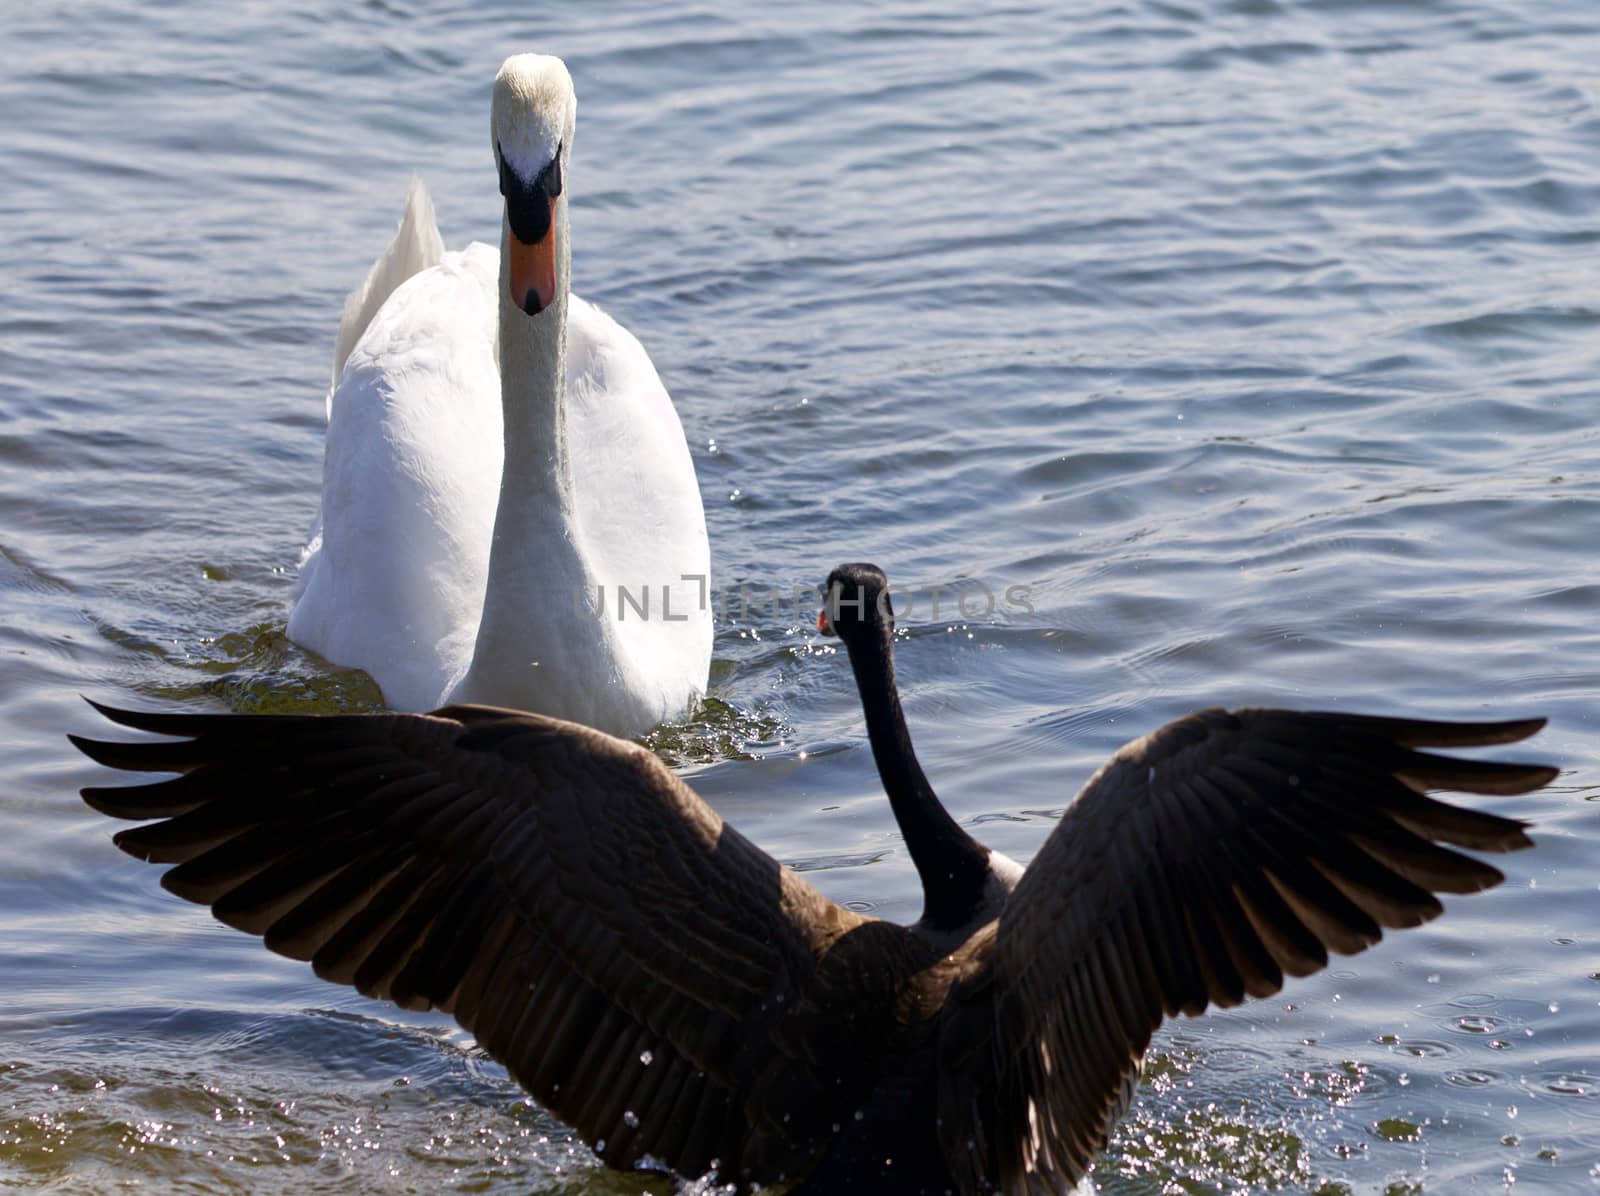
{"x": 1214, "y": 351}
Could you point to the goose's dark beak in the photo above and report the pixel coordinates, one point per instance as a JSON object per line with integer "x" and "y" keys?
{"x": 533, "y": 269}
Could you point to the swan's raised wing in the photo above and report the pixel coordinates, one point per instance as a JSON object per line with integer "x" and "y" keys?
{"x": 655, "y": 979}
{"x": 1201, "y": 865}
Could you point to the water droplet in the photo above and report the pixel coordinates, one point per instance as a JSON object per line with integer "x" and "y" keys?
{"x": 647, "y": 1058}
{"x": 630, "y": 1119}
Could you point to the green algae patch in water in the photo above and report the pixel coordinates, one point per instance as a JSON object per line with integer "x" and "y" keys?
{"x": 261, "y": 671}
{"x": 717, "y": 731}
{"x": 1395, "y": 1129}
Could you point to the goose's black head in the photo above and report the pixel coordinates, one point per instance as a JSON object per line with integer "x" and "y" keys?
{"x": 855, "y": 604}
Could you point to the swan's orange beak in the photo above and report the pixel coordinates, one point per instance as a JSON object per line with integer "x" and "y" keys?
{"x": 823, "y": 625}
{"x": 533, "y": 270}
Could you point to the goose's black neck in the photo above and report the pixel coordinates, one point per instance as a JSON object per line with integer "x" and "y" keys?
{"x": 953, "y": 866}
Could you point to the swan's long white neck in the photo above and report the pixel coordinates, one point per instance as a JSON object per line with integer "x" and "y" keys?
{"x": 536, "y": 484}
{"x": 537, "y": 565}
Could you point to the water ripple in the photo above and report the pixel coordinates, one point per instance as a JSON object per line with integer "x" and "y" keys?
{"x": 1251, "y": 341}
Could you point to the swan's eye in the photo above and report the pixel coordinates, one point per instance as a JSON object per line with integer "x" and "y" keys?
{"x": 549, "y": 180}
{"x": 508, "y": 181}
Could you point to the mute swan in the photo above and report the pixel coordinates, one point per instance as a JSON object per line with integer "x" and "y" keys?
{"x": 509, "y": 510}
{"x": 668, "y": 989}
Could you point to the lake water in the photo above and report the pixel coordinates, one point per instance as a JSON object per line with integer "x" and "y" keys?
{"x": 1254, "y": 340}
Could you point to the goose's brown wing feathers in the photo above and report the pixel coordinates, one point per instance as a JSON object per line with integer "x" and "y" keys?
{"x": 646, "y": 972}
{"x": 1202, "y": 864}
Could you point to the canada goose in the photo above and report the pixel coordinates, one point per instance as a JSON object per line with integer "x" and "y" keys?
{"x": 668, "y": 989}
{"x": 503, "y": 469}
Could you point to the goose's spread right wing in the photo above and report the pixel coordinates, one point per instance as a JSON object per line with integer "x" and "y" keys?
{"x": 1202, "y": 864}
{"x": 655, "y": 979}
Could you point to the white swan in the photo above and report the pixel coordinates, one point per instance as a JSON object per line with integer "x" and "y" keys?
{"x": 509, "y": 511}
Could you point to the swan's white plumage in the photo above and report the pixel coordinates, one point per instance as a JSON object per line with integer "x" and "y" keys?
{"x": 394, "y": 578}
{"x": 416, "y": 246}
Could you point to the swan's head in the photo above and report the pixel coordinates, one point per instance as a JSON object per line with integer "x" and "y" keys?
{"x": 532, "y": 118}
{"x": 855, "y": 603}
